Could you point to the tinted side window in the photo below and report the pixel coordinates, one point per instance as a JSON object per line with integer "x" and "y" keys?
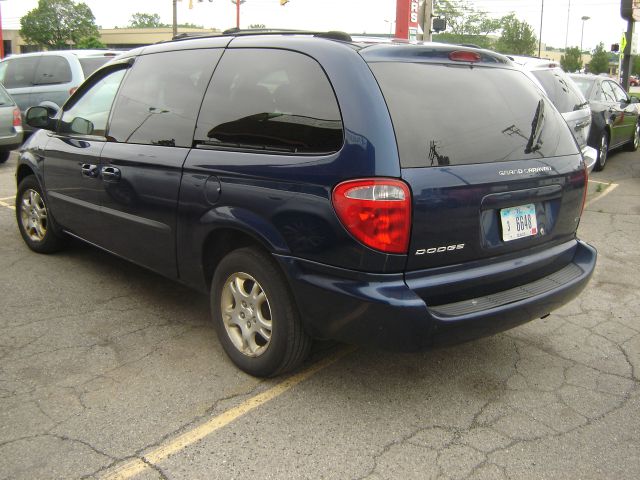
{"x": 88, "y": 114}
{"x": 272, "y": 100}
{"x": 561, "y": 93}
{"x": 20, "y": 72}
{"x": 503, "y": 115}
{"x": 91, "y": 64}
{"x": 52, "y": 69}
{"x": 159, "y": 101}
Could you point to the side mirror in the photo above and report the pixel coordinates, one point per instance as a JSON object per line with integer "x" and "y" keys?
{"x": 82, "y": 126}
{"x": 38, "y": 117}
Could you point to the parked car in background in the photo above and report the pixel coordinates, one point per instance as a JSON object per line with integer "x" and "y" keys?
{"x": 318, "y": 187}
{"x": 48, "y": 78}
{"x": 567, "y": 98}
{"x": 634, "y": 81}
{"x": 614, "y": 116}
{"x": 10, "y": 125}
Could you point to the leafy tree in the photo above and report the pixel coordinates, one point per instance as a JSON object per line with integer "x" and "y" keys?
{"x": 635, "y": 64}
{"x": 465, "y": 24}
{"x": 90, "y": 43}
{"x": 55, "y": 24}
{"x": 599, "y": 60}
{"x": 571, "y": 61}
{"x": 145, "y": 20}
{"x": 517, "y": 37}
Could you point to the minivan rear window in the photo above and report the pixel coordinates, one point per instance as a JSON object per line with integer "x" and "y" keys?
{"x": 52, "y": 70}
{"x": 457, "y": 114}
{"x": 561, "y": 90}
{"x": 91, "y": 64}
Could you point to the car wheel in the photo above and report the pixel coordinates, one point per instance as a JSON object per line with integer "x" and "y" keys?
{"x": 603, "y": 152}
{"x": 4, "y": 155}
{"x": 34, "y": 219}
{"x": 255, "y": 315}
{"x": 633, "y": 145}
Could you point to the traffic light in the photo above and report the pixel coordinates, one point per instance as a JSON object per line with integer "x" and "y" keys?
{"x": 615, "y": 47}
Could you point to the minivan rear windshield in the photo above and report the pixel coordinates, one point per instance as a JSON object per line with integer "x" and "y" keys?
{"x": 91, "y": 64}
{"x": 561, "y": 90}
{"x": 457, "y": 114}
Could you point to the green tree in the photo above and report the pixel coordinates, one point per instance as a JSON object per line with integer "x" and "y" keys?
{"x": 517, "y": 37}
{"x": 90, "y": 43}
{"x": 599, "y": 60}
{"x": 635, "y": 64}
{"x": 56, "y": 24}
{"x": 465, "y": 23}
{"x": 145, "y": 20}
{"x": 571, "y": 61}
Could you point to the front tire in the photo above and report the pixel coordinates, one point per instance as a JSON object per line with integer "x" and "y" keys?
{"x": 34, "y": 219}
{"x": 633, "y": 145}
{"x": 603, "y": 152}
{"x": 255, "y": 315}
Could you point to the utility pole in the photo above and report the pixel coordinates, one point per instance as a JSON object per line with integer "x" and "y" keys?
{"x": 175, "y": 18}
{"x": 566, "y": 36}
{"x": 540, "y": 39}
{"x": 426, "y": 11}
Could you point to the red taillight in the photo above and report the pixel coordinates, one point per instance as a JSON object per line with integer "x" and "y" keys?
{"x": 464, "y": 56}
{"x": 376, "y": 211}
{"x": 17, "y": 119}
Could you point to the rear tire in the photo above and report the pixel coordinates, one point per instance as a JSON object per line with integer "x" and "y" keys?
{"x": 603, "y": 152}
{"x": 255, "y": 315}
{"x": 35, "y": 222}
{"x": 633, "y": 145}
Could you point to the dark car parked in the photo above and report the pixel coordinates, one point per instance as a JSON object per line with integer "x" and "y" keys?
{"x": 614, "y": 116}
{"x": 318, "y": 187}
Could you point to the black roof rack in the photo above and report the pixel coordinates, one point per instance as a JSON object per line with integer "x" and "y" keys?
{"x": 236, "y": 32}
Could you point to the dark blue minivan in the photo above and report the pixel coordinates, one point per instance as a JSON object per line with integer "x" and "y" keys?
{"x": 390, "y": 194}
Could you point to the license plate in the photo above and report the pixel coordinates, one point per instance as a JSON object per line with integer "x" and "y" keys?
{"x": 518, "y": 222}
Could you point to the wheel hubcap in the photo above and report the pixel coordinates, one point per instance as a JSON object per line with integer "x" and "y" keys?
{"x": 603, "y": 150}
{"x": 33, "y": 214}
{"x": 246, "y": 314}
{"x": 636, "y": 137}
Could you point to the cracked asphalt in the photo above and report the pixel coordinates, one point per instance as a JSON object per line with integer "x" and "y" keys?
{"x": 102, "y": 362}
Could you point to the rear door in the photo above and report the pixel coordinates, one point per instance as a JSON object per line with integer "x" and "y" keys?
{"x": 492, "y": 166}
{"x": 629, "y": 114}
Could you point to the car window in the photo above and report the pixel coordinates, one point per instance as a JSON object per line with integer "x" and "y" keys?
{"x": 560, "y": 89}
{"x": 5, "y": 98}
{"x": 91, "y": 64}
{"x": 607, "y": 92}
{"x": 618, "y": 92}
{"x": 584, "y": 84}
{"x": 159, "y": 102}
{"x": 88, "y": 115}
{"x": 20, "y": 72}
{"x": 52, "y": 69}
{"x": 503, "y": 116}
{"x": 273, "y": 100}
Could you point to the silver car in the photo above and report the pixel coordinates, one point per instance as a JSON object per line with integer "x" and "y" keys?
{"x": 49, "y": 78}
{"x": 10, "y": 125}
{"x": 566, "y": 97}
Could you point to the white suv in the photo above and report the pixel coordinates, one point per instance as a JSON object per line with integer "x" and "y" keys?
{"x": 48, "y": 78}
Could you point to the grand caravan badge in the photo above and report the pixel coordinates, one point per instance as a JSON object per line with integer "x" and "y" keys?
{"x": 523, "y": 171}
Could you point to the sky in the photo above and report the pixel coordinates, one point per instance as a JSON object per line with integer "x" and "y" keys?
{"x": 355, "y": 16}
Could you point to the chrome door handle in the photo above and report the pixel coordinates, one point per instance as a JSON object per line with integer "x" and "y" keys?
{"x": 89, "y": 170}
{"x": 110, "y": 174}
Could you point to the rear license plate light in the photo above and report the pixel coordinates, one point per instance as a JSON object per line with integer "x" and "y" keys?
{"x": 518, "y": 222}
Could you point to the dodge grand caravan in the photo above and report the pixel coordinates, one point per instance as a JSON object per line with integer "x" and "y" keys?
{"x": 396, "y": 195}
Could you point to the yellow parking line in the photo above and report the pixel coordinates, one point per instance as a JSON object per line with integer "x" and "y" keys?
{"x": 3, "y": 204}
{"x": 604, "y": 193}
{"x": 133, "y": 467}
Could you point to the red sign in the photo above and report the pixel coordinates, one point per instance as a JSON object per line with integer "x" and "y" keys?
{"x": 407, "y": 20}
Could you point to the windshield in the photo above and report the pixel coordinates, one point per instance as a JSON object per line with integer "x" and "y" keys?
{"x": 584, "y": 84}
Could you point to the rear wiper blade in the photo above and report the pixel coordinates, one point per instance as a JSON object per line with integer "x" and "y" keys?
{"x": 536, "y": 125}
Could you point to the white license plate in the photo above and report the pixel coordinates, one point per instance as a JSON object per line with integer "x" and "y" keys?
{"x": 518, "y": 222}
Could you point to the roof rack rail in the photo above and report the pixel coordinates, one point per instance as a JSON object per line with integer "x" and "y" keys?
{"x": 333, "y": 35}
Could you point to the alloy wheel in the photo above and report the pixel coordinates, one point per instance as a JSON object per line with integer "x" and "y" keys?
{"x": 33, "y": 214}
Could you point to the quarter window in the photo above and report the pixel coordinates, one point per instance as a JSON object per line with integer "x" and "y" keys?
{"x": 607, "y": 93}
{"x": 158, "y": 103}
{"x": 88, "y": 114}
{"x": 273, "y": 100}
{"x": 52, "y": 69}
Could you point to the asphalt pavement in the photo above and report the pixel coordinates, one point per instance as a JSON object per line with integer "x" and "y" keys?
{"x": 110, "y": 371}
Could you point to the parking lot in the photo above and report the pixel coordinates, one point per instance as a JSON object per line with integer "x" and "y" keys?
{"x": 110, "y": 371}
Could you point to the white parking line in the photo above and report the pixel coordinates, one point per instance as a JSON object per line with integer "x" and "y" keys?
{"x": 605, "y": 192}
{"x": 7, "y": 205}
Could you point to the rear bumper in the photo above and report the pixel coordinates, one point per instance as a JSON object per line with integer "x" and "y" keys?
{"x": 384, "y": 311}
{"x": 590, "y": 155}
{"x": 12, "y": 141}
